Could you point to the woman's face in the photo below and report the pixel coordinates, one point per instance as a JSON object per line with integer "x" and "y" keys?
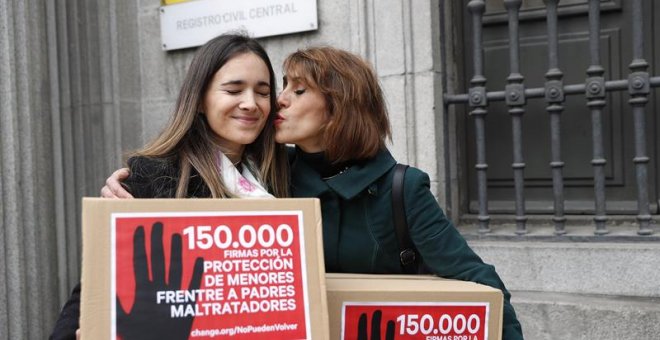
{"x": 303, "y": 113}
{"x": 237, "y": 102}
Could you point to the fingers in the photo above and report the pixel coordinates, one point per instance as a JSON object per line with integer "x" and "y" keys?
{"x": 78, "y": 334}
{"x": 140, "y": 259}
{"x": 174, "y": 277}
{"x": 362, "y": 327}
{"x": 389, "y": 335}
{"x": 157, "y": 255}
{"x": 113, "y": 187}
{"x": 196, "y": 279}
{"x": 375, "y": 325}
{"x": 107, "y": 193}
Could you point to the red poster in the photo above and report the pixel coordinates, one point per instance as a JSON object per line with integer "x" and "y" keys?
{"x": 411, "y": 320}
{"x": 209, "y": 275}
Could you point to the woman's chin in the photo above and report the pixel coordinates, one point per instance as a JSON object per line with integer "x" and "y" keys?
{"x": 282, "y": 139}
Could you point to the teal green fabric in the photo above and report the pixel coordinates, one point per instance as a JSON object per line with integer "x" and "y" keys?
{"x": 358, "y": 229}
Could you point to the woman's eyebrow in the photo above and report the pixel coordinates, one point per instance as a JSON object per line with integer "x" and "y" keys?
{"x": 242, "y": 82}
{"x": 233, "y": 82}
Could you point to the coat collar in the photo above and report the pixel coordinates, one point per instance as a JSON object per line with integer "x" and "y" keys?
{"x": 306, "y": 182}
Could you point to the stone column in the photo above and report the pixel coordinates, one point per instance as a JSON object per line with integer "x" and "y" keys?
{"x": 62, "y": 66}
{"x": 28, "y": 269}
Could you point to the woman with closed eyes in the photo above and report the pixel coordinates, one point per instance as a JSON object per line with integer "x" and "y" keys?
{"x": 219, "y": 142}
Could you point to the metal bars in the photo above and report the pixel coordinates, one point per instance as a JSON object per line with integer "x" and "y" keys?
{"x": 595, "y": 93}
{"x": 515, "y": 99}
{"x": 639, "y": 88}
{"x": 478, "y": 103}
{"x": 594, "y": 89}
{"x": 554, "y": 96}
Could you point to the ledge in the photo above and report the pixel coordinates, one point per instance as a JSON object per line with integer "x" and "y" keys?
{"x": 578, "y": 229}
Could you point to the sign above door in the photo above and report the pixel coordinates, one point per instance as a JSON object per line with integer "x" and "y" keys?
{"x": 193, "y": 23}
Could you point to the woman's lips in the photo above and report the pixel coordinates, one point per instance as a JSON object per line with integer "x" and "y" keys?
{"x": 249, "y": 120}
{"x": 278, "y": 119}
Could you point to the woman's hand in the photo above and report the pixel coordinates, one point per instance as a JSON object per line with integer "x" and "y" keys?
{"x": 113, "y": 187}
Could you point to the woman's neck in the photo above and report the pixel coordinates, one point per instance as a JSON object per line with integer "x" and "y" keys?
{"x": 235, "y": 159}
{"x": 233, "y": 151}
{"x": 325, "y": 168}
{"x": 311, "y": 147}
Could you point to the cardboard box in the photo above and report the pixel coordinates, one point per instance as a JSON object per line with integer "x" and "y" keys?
{"x": 202, "y": 269}
{"x": 412, "y": 307}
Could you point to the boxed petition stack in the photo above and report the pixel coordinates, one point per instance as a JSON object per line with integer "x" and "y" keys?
{"x": 203, "y": 269}
{"x": 412, "y": 307}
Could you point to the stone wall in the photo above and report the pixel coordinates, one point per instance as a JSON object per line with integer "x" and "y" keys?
{"x": 83, "y": 82}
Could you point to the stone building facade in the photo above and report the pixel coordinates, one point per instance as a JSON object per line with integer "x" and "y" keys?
{"x": 83, "y": 82}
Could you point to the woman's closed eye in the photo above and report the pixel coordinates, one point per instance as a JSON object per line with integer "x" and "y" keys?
{"x": 261, "y": 93}
{"x": 263, "y": 89}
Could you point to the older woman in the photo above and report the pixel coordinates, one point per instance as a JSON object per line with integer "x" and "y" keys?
{"x": 332, "y": 108}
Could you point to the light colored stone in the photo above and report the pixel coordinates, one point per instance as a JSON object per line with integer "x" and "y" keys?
{"x": 619, "y": 269}
{"x": 394, "y": 92}
{"x": 389, "y": 37}
{"x": 426, "y": 139}
{"x": 160, "y": 70}
{"x": 155, "y": 114}
{"x": 425, "y": 26}
{"x": 131, "y": 125}
{"x": 551, "y": 316}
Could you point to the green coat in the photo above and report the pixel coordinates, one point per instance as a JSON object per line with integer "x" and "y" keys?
{"x": 358, "y": 229}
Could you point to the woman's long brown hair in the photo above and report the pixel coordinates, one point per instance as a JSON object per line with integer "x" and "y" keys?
{"x": 358, "y": 124}
{"x": 189, "y": 138}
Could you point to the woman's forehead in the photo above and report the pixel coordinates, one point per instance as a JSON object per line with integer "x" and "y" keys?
{"x": 297, "y": 75}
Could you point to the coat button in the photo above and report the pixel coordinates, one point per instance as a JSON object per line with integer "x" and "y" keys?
{"x": 372, "y": 190}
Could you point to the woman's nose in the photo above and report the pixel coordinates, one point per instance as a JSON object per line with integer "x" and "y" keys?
{"x": 248, "y": 102}
{"x": 281, "y": 100}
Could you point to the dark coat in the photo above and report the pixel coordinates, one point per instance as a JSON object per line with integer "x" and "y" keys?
{"x": 359, "y": 234}
{"x": 158, "y": 178}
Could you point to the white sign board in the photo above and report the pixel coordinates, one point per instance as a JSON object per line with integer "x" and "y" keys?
{"x": 194, "y": 23}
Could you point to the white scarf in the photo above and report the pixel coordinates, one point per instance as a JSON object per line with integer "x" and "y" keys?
{"x": 242, "y": 184}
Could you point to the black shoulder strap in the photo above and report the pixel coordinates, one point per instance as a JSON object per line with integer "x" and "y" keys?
{"x": 407, "y": 251}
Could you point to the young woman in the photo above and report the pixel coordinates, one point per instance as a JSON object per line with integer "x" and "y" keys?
{"x": 218, "y": 143}
{"x": 332, "y": 108}
{"x": 220, "y": 140}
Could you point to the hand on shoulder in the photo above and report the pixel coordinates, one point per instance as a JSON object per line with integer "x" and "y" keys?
{"x": 113, "y": 187}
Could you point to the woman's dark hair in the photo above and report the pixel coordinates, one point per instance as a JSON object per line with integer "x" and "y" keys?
{"x": 189, "y": 138}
